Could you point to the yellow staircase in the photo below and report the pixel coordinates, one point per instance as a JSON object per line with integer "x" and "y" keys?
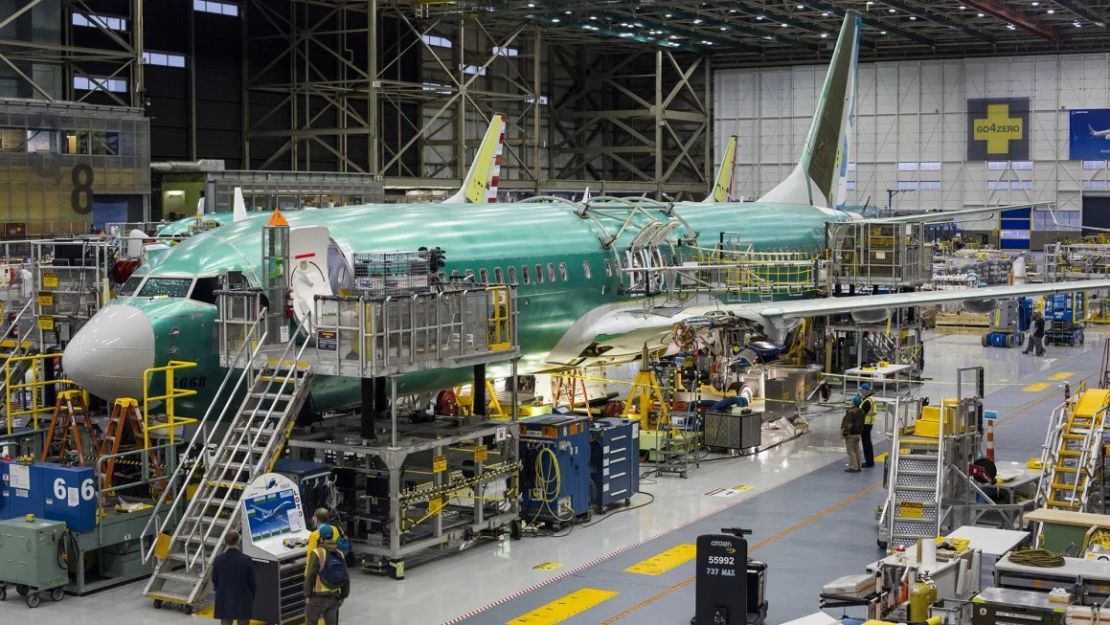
{"x": 1072, "y": 455}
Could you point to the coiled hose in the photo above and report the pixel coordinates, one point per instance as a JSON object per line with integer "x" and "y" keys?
{"x": 1042, "y": 558}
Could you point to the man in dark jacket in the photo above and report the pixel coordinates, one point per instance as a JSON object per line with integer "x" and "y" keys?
{"x": 1036, "y": 337}
{"x": 851, "y": 426}
{"x": 233, "y": 581}
{"x": 321, "y": 598}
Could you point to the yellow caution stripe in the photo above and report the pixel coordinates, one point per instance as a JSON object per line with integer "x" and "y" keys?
{"x": 662, "y": 562}
{"x": 1036, "y": 387}
{"x": 1063, "y": 375}
{"x": 564, "y": 607}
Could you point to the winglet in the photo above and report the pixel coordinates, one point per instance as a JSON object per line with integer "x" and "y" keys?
{"x": 722, "y": 182}
{"x": 238, "y": 205}
{"x": 815, "y": 179}
{"x": 480, "y": 184}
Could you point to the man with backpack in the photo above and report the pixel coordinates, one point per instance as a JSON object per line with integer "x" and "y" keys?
{"x": 320, "y": 518}
{"x": 328, "y": 582}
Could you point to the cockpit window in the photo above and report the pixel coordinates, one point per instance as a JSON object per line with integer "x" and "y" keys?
{"x": 205, "y": 290}
{"x": 166, "y": 287}
{"x": 130, "y": 286}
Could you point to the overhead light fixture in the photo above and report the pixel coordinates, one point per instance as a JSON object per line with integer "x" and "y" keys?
{"x": 824, "y": 35}
{"x": 801, "y": 6}
{"x": 913, "y": 18}
{"x": 1010, "y": 27}
{"x": 531, "y": 5}
{"x": 724, "y": 28}
{"x": 1051, "y": 11}
{"x": 980, "y": 15}
{"x": 732, "y": 10}
{"x": 593, "y": 18}
{"x": 1036, "y": 4}
{"x": 890, "y": 10}
{"x": 962, "y": 7}
{"x": 567, "y": 12}
{"x": 554, "y": 20}
{"x": 882, "y": 32}
{"x": 784, "y": 24}
{"x": 667, "y": 15}
{"x": 707, "y": 42}
{"x": 697, "y": 20}
{"x": 1077, "y": 24}
{"x": 758, "y": 17}
{"x": 869, "y": 3}
{"x": 824, "y": 14}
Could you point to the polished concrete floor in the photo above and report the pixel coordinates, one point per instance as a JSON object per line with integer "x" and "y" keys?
{"x": 812, "y": 523}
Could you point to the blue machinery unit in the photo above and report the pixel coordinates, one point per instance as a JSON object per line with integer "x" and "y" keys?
{"x": 614, "y": 461}
{"x": 555, "y": 474}
{"x": 1010, "y": 321}
{"x": 1064, "y": 315}
{"x": 49, "y": 491}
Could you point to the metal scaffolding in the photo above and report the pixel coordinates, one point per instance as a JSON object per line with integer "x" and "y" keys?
{"x": 98, "y": 52}
{"x": 320, "y": 94}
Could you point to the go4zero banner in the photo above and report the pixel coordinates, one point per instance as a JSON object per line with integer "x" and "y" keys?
{"x": 998, "y": 129}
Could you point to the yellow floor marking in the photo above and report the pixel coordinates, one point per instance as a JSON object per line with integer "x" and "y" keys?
{"x": 210, "y": 612}
{"x": 547, "y": 566}
{"x": 1036, "y": 387}
{"x": 662, "y": 562}
{"x": 564, "y": 607}
{"x": 1063, "y": 375}
{"x": 881, "y": 457}
{"x": 743, "y": 487}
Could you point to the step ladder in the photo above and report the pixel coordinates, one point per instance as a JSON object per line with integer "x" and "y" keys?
{"x": 125, "y": 432}
{"x": 915, "y": 495}
{"x": 1071, "y": 457}
{"x": 250, "y": 445}
{"x": 64, "y": 434}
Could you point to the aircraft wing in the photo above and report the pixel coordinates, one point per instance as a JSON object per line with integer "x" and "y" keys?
{"x": 943, "y": 216}
{"x": 625, "y": 330}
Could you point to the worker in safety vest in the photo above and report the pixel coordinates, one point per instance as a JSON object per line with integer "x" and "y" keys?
{"x": 869, "y": 407}
{"x": 328, "y": 581}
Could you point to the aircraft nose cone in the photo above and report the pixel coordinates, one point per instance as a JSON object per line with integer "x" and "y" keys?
{"x": 108, "y": 355}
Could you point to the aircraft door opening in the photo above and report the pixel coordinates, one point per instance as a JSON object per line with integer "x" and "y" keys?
{"x": 309, "y": 247}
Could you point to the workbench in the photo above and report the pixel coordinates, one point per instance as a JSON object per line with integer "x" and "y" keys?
{"x": 1062, "y": 529}
{"x": 1094, "y": 576}
{"x": 879, "y": 377}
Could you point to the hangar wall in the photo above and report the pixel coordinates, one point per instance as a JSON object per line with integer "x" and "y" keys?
{"x": 911, "y": 131}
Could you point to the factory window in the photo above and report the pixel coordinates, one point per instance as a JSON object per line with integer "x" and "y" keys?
{"x": 1012, "y": 185}
{"x": 436, "y": 40}
{"x": 40, "y": 141}
{"x": 130, "y": 286}
{"x": 930, "y": 185}
{"x": 1094, "y": 185}
{"x": 100, "y": 21}
{"x": 930, "y": 166}
{"x": 473, "y": 69}
{"x": 564, "y": 275}
{"x": 586, "y": 269}
{"x": 96, "y": 83}
{"x": 1022, "y": 165}
{"x": 512, "y": 275}
{"x": 13, "y": 140}
{"x": 104, "y": 143}
{"x": 996, "y": 165}
{"x": 166, "y": 287}
{"x": 550, "y": 272}
{"x": 205, "y": 290}
{"x": 907, "y": 185}
{"x": 850, "y": 185}
{"x": 483, "y": 274}
{"x": 525, "y": 274}
{"x": 543, "y": 100}
{"x": 907, "y": 166}
{"x": 505, "y": 51}
{"x": 216, "y": 8}
{"x": 470, "y": 275}
{"x": 164, "y": 59}
{"x": 498, "y": 275}
{"x": 1092, "y": 165}
{"x": 75, "y": 142}
{"x": 539, "y": 273}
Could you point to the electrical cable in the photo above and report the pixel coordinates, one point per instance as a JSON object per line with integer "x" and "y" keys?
{"x": 1042, "y": 558}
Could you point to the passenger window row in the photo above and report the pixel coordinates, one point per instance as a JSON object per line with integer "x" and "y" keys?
{"x": 527, "y": 276}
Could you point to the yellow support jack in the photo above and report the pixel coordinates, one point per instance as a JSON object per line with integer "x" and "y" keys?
{"x": 466, "y": 402}
{"x": 644, "y": 393}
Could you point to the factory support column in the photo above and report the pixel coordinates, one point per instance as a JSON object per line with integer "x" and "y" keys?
{"x": 275, "y": 260}
{"x": 481, "y": 402}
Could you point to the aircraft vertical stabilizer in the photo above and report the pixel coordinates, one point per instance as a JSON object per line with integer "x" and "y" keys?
{"x": 238, "y": 205}
{"x": 816, "y": 178}
{"x": 480, "y": 184}
{"x": 722, "y": 182}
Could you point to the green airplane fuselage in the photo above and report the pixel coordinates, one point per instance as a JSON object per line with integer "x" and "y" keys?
{"x": 547, "y": 239}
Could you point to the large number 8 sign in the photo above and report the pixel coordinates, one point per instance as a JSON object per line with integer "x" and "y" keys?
{"x": 81, "y": 199}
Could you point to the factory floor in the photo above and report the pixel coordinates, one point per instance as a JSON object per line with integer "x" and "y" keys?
{"x": 812, "y": 523}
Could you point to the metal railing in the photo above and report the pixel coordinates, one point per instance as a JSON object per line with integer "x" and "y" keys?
{"x": 196, "y": 450}
{"x": 242, "y": 443}
{"x": 170, "y": 396}
{"x": 16, "y": 403}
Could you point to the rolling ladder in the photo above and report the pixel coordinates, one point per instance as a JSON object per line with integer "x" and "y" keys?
{"x": 1071, "y": 458}
{"x": 915, "y": 491}
{"x": 222, "y": 464}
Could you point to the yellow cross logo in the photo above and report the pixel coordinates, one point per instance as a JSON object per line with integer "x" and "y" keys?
{"x": 998, "y": 129}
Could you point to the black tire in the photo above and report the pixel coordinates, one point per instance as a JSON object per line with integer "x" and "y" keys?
{"x": 22, "y": 589}
{"x": 33, "y": 600}
{"x": 882, "y": 544}
{"x": 57, "y": 594}
{"x": 4, "y": 593}
{"x": 188, "y": 609}
{"x": 986, "y": 340}
{"x": 599, "y": 509}
{"x": 516, "y": 530}
{"x": 158, "y": 604}
{"x": 627, "y": 502}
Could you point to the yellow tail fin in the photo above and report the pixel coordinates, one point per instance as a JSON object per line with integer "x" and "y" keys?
{"x": 722, "y": 182}
{"x": 480, "y": 184}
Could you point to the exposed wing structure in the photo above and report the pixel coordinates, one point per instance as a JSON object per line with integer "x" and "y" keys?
{"x": 943, "y": 216}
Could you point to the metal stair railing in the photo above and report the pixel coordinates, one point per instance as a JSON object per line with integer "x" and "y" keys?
{"x": 1050, "y": 451}
{"x": 264, "y": 455}
{"x": 202, "y": 437}
{"x": 892, "y": 490}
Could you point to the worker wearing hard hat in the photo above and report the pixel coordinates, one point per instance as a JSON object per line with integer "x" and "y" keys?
{"x": 869, "y": 407}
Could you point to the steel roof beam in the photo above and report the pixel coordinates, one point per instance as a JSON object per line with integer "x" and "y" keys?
{"x": 1082, "y": 10}
{"x": 1015, "y": 18}
{"x": 940, "y": 20}
{"x": 875, "y": 23}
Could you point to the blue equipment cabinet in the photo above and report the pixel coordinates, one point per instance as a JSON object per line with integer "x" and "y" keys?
{"x": 555, "y": 474}
{"x": 4, "y": 491}
{"x": 69, "y": 495}
{"x": 25, "y": 491}
{"x": 314, "y": 479}
{"x": 614, "y": 461}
